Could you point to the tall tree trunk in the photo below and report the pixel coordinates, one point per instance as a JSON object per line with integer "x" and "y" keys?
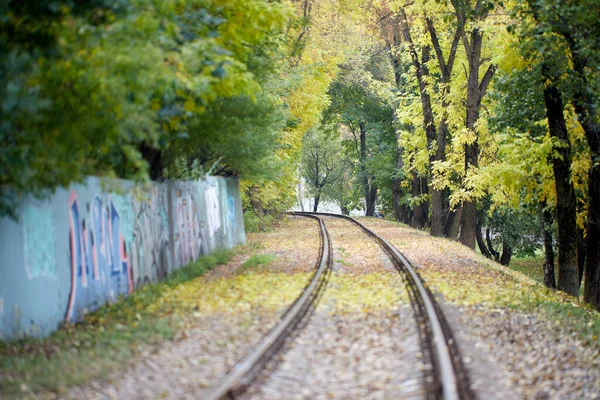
{"x": 469, "y": 215}
{"x": 438, "y": 196}
{"x": 568, "y": 279}
{"x": 592, "y": 268}
{"x": 482, "y": 247}
{"x": 507, "y": 252}
{"x": 490, "y": 244}
{"x": 549, "y": 277}
{"x": 344, "y": 208}
{"x": 392, "y": 39}
{"x": 316, "y": 204}
{"x": 452, "y": 225}
{"x": 400, "y": 211}
{"x": 371, "y": 201}
{"x": 592, "y": 265}
{"x": 419, "y": 219}
{"x": 581, "y": 253}
{"x": 586, "y": 106}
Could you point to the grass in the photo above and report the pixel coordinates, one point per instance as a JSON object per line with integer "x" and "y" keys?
{"x": 104, "y": 342}
{"x": 258, "y": 259}
{"x": 533, "y": 267}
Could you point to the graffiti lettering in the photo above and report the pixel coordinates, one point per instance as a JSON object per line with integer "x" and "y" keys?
{"x": 97, "y": 248}
{"x": 150, "y": 255}
{"x": 187, "y": 235}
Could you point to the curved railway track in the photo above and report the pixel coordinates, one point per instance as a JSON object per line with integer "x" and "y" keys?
{"x": 445, "y": 376}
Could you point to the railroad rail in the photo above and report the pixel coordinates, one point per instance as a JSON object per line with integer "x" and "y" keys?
{"x": 445, "y": 379}
{"x": 448, "y": 379}
{"x": 241, "y": 375}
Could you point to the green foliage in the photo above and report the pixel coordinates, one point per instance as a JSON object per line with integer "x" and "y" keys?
{"x": 254, "y": 222}
{"x": 258, "y": 259}
{"x": 86, "y": 86}
{"x": 321, "y": 162}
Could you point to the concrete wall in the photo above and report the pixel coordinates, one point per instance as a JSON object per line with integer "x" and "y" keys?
{"x": 84, "y": 246}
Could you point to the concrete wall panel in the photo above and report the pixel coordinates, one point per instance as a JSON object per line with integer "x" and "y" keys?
{"x": 84, "y": 247}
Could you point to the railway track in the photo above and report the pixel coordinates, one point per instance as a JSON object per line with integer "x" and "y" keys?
{"x": 445, "y": 375}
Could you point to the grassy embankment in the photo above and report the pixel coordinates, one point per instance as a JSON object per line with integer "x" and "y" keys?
{"x": 104, "y": 342}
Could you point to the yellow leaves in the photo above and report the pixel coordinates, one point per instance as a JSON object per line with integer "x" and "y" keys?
{"x": 241, "y": 293}
{"x": 363, "y": 293}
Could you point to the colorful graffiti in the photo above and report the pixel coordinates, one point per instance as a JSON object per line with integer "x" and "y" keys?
{"x": 149, "y": 246}
{"x": 83, "y": 247}
{"x": 99, "y": 264}
{"x": 188, "y": 236}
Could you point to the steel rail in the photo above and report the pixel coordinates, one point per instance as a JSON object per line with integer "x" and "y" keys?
{"x": 441, "y": 343}
{"x": 242, "y": 373}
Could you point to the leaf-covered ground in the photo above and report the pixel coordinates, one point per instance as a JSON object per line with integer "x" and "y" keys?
{"x": 360, "y": 343}
{"x": 544, "y": 341}
{"x": 174, "y": 339}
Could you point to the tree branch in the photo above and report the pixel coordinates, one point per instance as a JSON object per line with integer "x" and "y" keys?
{"x": 489, "y": 74}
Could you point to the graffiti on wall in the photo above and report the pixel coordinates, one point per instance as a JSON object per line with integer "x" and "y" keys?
{"x": 149, "y": 246}
{"x": 95, "y": 246}
{"x": 99, "y": 264}
{"x": 39, "y": 243}
{"x": 188, "y": 237}
{"x": 213, "y": 213}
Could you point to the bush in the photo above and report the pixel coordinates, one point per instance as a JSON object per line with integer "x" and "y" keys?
{"x": 254, "y": 222}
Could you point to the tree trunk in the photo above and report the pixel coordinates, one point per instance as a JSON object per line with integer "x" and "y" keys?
{"x": 371, "y": 201}
{"x": 469, "y": 215}
{"x": 586, "y": 106}
{"x": 400, "y": 211}
{"x": 438, "y": 217}
{"x": 506, "y": 254}
{"x": 482, "y": 247}
{"x": 438, "y": 200}
{"x": 370, "y": 197}
{"x": 468, "y": 224}
{"x": 581, "y": 253}
{"x": 488, "y": 238}
{"x": 317, "y": 199}
{"x": 453, "y": 223}
{"x": 344, "y": 209}
{"x": 549, "y": 278}
{"x": 419, "y": 219}
{"x": 568, "y": 273}
{"x": 592, "y": 269}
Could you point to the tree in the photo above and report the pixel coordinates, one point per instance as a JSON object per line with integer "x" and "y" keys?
{"x": 321, "y": 162}
{"x": 105, "y": 88}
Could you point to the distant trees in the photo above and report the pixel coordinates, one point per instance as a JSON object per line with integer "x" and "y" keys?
{"x": 321, "y": 163}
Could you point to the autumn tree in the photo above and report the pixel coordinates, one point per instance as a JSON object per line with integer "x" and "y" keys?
{"x": 321, "y": 163}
